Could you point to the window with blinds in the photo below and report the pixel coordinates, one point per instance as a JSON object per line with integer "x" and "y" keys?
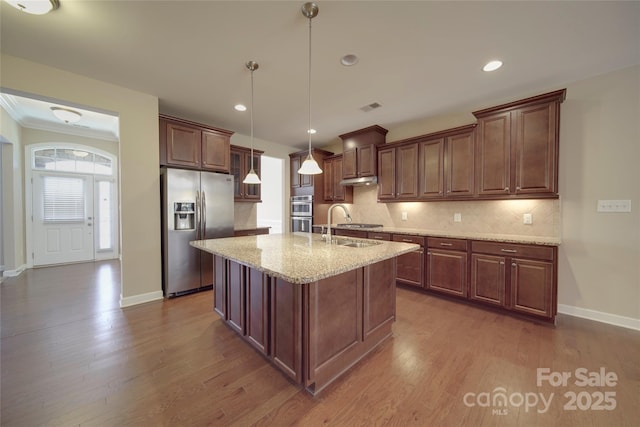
{"x": 63, "y": 199}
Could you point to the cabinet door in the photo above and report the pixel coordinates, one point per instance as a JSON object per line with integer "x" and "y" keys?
{"x": 286, "y": 327}
{"x": 235, "y": 297}
{"x": 251, "y": 191}
{"x": 215, "y": 151}
{"x": 407, "y": 171}
{"x": 350, "y": 166}
{"x": 488, "y": 279}
{"x": 459, "y": 160}
{"x": 295, "y": 176}
{"x": 410, "y": 268}
{"x": 183, "y": 145}
{"x": 257, "y": 288}
{"x": 532, "y": 287}
{"x": 387, "y": 173}
{"x": 536, "y": 149}
{"x": 379, "y": 299}
{"x": 493, "y": 159}
{"x": 328, "y": 180}
{"x": 447, "y": 272}
{"x": 339, "y": 191}
{"x": 220, "y": 286}
{"x": 431, "y": 165}
{"x": 236, "y": 169}
{"x": 366, "y": 160}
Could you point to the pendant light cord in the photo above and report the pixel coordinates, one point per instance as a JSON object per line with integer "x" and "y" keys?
{"x": 309, "y": 88}
{"x": 252, "y": 120}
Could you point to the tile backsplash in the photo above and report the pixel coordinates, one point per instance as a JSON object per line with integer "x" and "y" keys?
{"x": 491, "y": 216}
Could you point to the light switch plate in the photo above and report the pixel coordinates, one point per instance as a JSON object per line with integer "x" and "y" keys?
{"x": 527, "y": 219}
{"x": 457, "y": 217}
{"x": 614, "y": 206}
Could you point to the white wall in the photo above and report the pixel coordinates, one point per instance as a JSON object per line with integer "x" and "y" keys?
{"x": 139, "y": 160}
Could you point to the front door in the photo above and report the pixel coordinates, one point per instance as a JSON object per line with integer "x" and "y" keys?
{"x": 62, "y": 218}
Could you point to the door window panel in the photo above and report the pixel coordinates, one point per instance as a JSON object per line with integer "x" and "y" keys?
{"x": 63, "y": 199}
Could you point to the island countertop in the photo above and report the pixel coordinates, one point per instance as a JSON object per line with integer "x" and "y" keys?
{"x": 299, "y": 257}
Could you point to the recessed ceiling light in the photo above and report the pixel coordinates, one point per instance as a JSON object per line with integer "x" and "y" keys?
{"x": 240, "y": 107}
{"x": 311, "y": 131}
{"x": 492, "y": 65}
{"x": 349, "y": 60}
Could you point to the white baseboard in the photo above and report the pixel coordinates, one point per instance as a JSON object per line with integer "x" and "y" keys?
{"x": 599, "y": 316}
{"x": 140, "y": 299}
{"x": 14, "y": 273}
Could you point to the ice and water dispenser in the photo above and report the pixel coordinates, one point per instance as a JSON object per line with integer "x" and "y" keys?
{"x": 184, "y": 214}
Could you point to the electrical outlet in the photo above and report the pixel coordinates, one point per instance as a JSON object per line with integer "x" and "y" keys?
{"x": 405, "y": 216}
{"x": 527, "y": 219}
{"x": 457, "y": 217}
{"x": 614, "y": 206}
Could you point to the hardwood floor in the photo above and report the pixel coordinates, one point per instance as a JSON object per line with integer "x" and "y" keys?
{"x": 71, "y": 356}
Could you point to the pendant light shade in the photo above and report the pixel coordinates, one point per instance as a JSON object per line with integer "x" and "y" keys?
{"x": 252, "y": 177}
{"x": 309, "y": 166}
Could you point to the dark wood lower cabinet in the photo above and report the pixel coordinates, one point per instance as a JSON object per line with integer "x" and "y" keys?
{"x": 219, "y": 286}
{"x": 533, "y": 287}
{"x": 488, "y": 279}
{"x": 312, "y": 332}
{"x": 447, "y": 271}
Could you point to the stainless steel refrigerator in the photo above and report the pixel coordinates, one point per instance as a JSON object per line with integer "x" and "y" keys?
{"x": 195, "y": 205}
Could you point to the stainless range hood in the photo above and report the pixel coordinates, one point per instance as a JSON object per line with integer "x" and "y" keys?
{"x": 358, "y": 182}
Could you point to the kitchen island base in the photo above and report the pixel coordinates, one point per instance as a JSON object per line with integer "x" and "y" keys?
{"x": 312, "y": 332}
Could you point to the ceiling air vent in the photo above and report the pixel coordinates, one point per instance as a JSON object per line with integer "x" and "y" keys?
{"x": 370, "y": 107}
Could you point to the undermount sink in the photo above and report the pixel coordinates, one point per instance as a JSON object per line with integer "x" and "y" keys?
{"x": 351, "y": 243}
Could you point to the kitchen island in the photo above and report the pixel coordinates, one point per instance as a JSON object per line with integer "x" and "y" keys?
{"x": 312, "y": 308}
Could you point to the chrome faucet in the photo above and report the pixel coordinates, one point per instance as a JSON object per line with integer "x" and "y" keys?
{"x": 347, "y": 217}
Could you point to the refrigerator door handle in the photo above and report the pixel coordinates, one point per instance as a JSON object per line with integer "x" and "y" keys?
{"x": 198, "y": 213}
{"x": 204, "y": 215}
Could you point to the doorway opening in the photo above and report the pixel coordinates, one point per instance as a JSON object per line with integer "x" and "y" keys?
{"x": 270, "y": 213}
{"x": 71, "y": 196}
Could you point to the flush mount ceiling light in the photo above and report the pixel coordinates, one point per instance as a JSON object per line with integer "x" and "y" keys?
{"x": 252, "y": 176}
{"x": 66, "y": 115}
{"x": 492, "y": 65}
{"x": 349, "y": 60}
{"x": 35, "y": 7}
{"x": 309, "y": 166}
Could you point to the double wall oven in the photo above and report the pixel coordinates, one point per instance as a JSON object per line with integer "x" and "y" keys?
{"x": 302, "y": 213}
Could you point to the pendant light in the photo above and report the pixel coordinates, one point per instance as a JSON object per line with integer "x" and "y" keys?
{"x": 309, "y": 166}
{"x": 252, "y": 176}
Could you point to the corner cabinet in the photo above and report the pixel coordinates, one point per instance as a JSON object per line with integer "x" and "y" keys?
{"x": 359, "y": 151}
{"x": 517, "y": 147}
{"x": 240, "y": 165}
{"x": 191, "y": 145}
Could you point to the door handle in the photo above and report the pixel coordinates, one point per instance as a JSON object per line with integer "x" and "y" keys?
{"x": 197, "y": 215}
{"x": 204, "y": 215}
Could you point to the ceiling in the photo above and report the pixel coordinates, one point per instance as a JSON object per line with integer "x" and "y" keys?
{"x": 417, "y": 59}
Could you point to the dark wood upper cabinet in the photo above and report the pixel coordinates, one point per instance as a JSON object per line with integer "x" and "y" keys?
{"x": 517, "y": 147}
{"x": 359, "y": 151}
{"x": 332, "y": 174}
{"x": 193, "y": 146}
{"x": 398, "y": 172}
{"x": 240, "y": 159}
{"x": 305, "y": 185}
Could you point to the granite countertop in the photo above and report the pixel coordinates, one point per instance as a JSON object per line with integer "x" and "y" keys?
{"x": 492, "y": 237}
{"x": 299, "y": 257}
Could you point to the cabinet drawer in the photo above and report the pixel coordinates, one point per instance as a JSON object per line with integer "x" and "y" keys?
{"x": 514, "y": 250}
{"x": 349, "y": 233}
{"x": 378, "y": 236}
{"x": 406, "y": 238}
{"x": 445, "y": 243}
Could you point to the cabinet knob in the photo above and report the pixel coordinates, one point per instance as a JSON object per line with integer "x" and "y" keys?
{"x": 517, "y": 188}
{"x": 513, "y": 264}
{"x": 506, "y": 189}
{"x": 501, "y": 262}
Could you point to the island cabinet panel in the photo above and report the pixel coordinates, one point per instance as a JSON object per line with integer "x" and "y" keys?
{"x": 379, "y": 307}
{"x": 286, "y": 327}
{"x": 334, "y": 325}
{"x": 236, "y": 297}
{"x": 220, "y": 286}
{"x": 257, "y": 288}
